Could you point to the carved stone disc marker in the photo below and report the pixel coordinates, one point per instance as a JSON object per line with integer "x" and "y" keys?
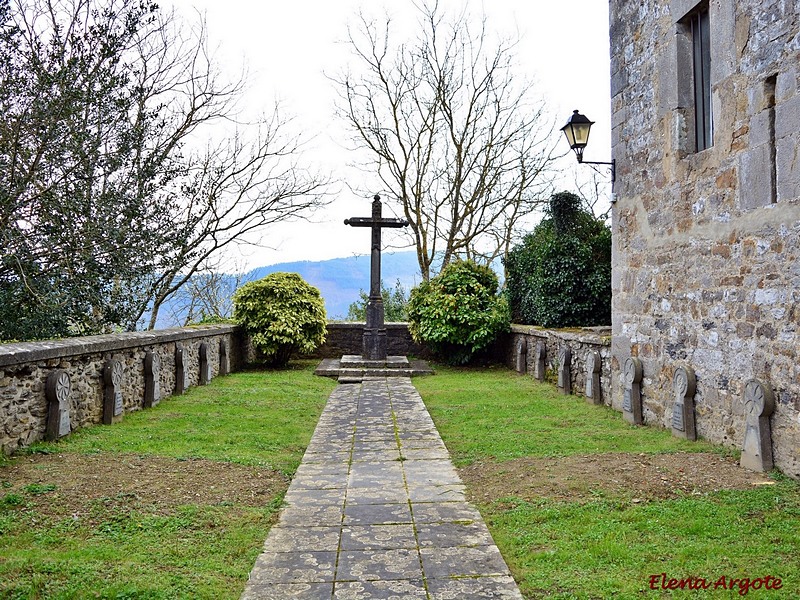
{"x": 205, "y": 365}
{"x": 683, "y": 416}
{"x": 224, "y": 361}
{"x": 593, "y": 365}
{"x": 541, "y": 361}
{"x": 759, "y": 404}
{"x": 112, "y": 391}
{"x": 632, "y": 400}
{"x": 521, "y": 355}
{"x": 181, "y": 372}
{"x": 564, "y": 370}
{"x": 57, "y": 390}
{"x": 152, "y": 379}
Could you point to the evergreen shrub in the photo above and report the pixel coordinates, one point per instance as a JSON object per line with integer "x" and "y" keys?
{"x": 458, "y": 313}
{"x": 560, "y": 275}
{"x": 282, "y": 314}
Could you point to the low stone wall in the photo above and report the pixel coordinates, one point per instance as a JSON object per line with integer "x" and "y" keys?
{"x": 346, "y": 338}
{"x": 580, "y": 342}
{"x": 86, "y": 375}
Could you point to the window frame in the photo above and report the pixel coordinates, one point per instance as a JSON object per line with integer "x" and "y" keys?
{"x": 699, "y": 26}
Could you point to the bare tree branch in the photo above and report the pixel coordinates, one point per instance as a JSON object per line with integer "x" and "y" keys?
{"x": 452, "y": 132}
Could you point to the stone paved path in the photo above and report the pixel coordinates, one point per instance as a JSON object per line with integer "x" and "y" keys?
{"x": 377, "y": 510}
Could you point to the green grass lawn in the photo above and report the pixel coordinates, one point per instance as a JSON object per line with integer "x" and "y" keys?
{"x": 148, "y": 541}
{"x": 113, "y": 540}
{"x": 610, "y": 545}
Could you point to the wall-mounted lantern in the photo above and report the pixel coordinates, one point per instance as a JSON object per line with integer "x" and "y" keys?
{"x": 577, "y": 131}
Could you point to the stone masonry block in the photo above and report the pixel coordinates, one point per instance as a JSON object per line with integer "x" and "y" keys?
{"x": 788, "y": 168}
{"x": 760, "y": 129}
{"x": 787, "y": 116}
{"x": 786, "y": 86}
{"x": 755, "y": 178}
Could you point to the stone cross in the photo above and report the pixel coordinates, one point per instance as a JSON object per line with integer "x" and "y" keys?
{"x": 57, "y": 390}
{"x": 374, "y": 341}
{"x": 564, "y": 365}
{"x": 205, "y": 365}
{"x": 541, "y": 361}
{"x": 522, "y": 355}
{"x": 152, "y": 379}
{"x": 632, "y": 401}
{"x": 593, "y": 364}
{"x": 181, "y": 372}
{"x": 759, "y": 403}
{"x": 112, "y": 392}
{"x": 683, "y": 421}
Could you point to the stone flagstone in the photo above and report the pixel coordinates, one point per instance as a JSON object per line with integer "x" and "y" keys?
{"x": 377, "y": 510}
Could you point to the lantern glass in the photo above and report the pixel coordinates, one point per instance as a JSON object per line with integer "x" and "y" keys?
{"x": 577, "y": 132}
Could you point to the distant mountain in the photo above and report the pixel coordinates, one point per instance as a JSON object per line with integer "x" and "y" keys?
{"x": 340, "y": 279}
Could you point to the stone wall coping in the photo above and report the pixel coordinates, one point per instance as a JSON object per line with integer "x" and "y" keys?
{"x": 586, "y": 335}
{"x": 358, "y": 325}
{"x": 27, "y": 352}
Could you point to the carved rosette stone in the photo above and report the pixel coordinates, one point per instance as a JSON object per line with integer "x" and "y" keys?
{"x": 224, "y": 361}
{"x": 593, "y": 365}
{"x": 684, "y": 383}
{"x": 113, "y": 372}
{"x": 564, "y": 370}
{"x": 57, "y": 390}
{"x": 181, "y": 372}
{"x": 759, "y": 404}
{"x": 541, "y": 360}
{"x": 152, "y": 379}
{"x": 521, "y": 355}
{"x": 205, "y": 365}
{"x": 632, "y": 399}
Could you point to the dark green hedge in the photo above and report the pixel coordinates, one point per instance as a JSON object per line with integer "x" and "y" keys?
{"x": 560, "y": 275}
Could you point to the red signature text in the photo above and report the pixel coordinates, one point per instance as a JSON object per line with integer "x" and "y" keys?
{"x": 742, "y": 585}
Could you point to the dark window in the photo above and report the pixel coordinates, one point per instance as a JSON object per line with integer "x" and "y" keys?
{"x": 701, "y": 57}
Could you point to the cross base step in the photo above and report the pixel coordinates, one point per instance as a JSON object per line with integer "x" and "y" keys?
{"x": 352, "y": 368}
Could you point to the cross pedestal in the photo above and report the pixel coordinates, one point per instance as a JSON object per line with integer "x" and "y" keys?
{"x": 374, "y": 343}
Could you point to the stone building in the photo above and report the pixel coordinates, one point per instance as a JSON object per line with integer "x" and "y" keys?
{"x": 706, "y": 223}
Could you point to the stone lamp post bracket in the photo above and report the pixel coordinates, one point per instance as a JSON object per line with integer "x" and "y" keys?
{"x": 57, "y": 391}
{"x": 632, "y": 399}
{"x": 759, "y": 404}
{"x": 113, "y": 372}
{"x": 684, "y": 383}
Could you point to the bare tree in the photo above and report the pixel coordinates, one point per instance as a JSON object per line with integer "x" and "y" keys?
{"x": 452, "y": 133}
{"x": 207, "y": 295}
{"x": 233, "y": 191}
{"x": 105, "y": 209}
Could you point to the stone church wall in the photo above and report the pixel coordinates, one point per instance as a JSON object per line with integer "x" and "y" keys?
{"x": 706, "y": 245}
{"x": 25, "y": 367}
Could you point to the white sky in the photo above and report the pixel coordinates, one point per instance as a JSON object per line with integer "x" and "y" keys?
{"x": 288, "y": 47}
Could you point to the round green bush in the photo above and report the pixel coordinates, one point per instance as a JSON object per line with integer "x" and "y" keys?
{"x": 458, "y": 313}
{"x": 560, "y": 275}
{"x": 282, "y": 314}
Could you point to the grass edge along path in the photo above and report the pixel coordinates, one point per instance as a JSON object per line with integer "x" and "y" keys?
{"x": 723, "y": 544}
{"x": 139, "y": 542}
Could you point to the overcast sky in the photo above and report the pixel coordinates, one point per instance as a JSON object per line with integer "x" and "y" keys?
{"x": 288, "y": 47}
